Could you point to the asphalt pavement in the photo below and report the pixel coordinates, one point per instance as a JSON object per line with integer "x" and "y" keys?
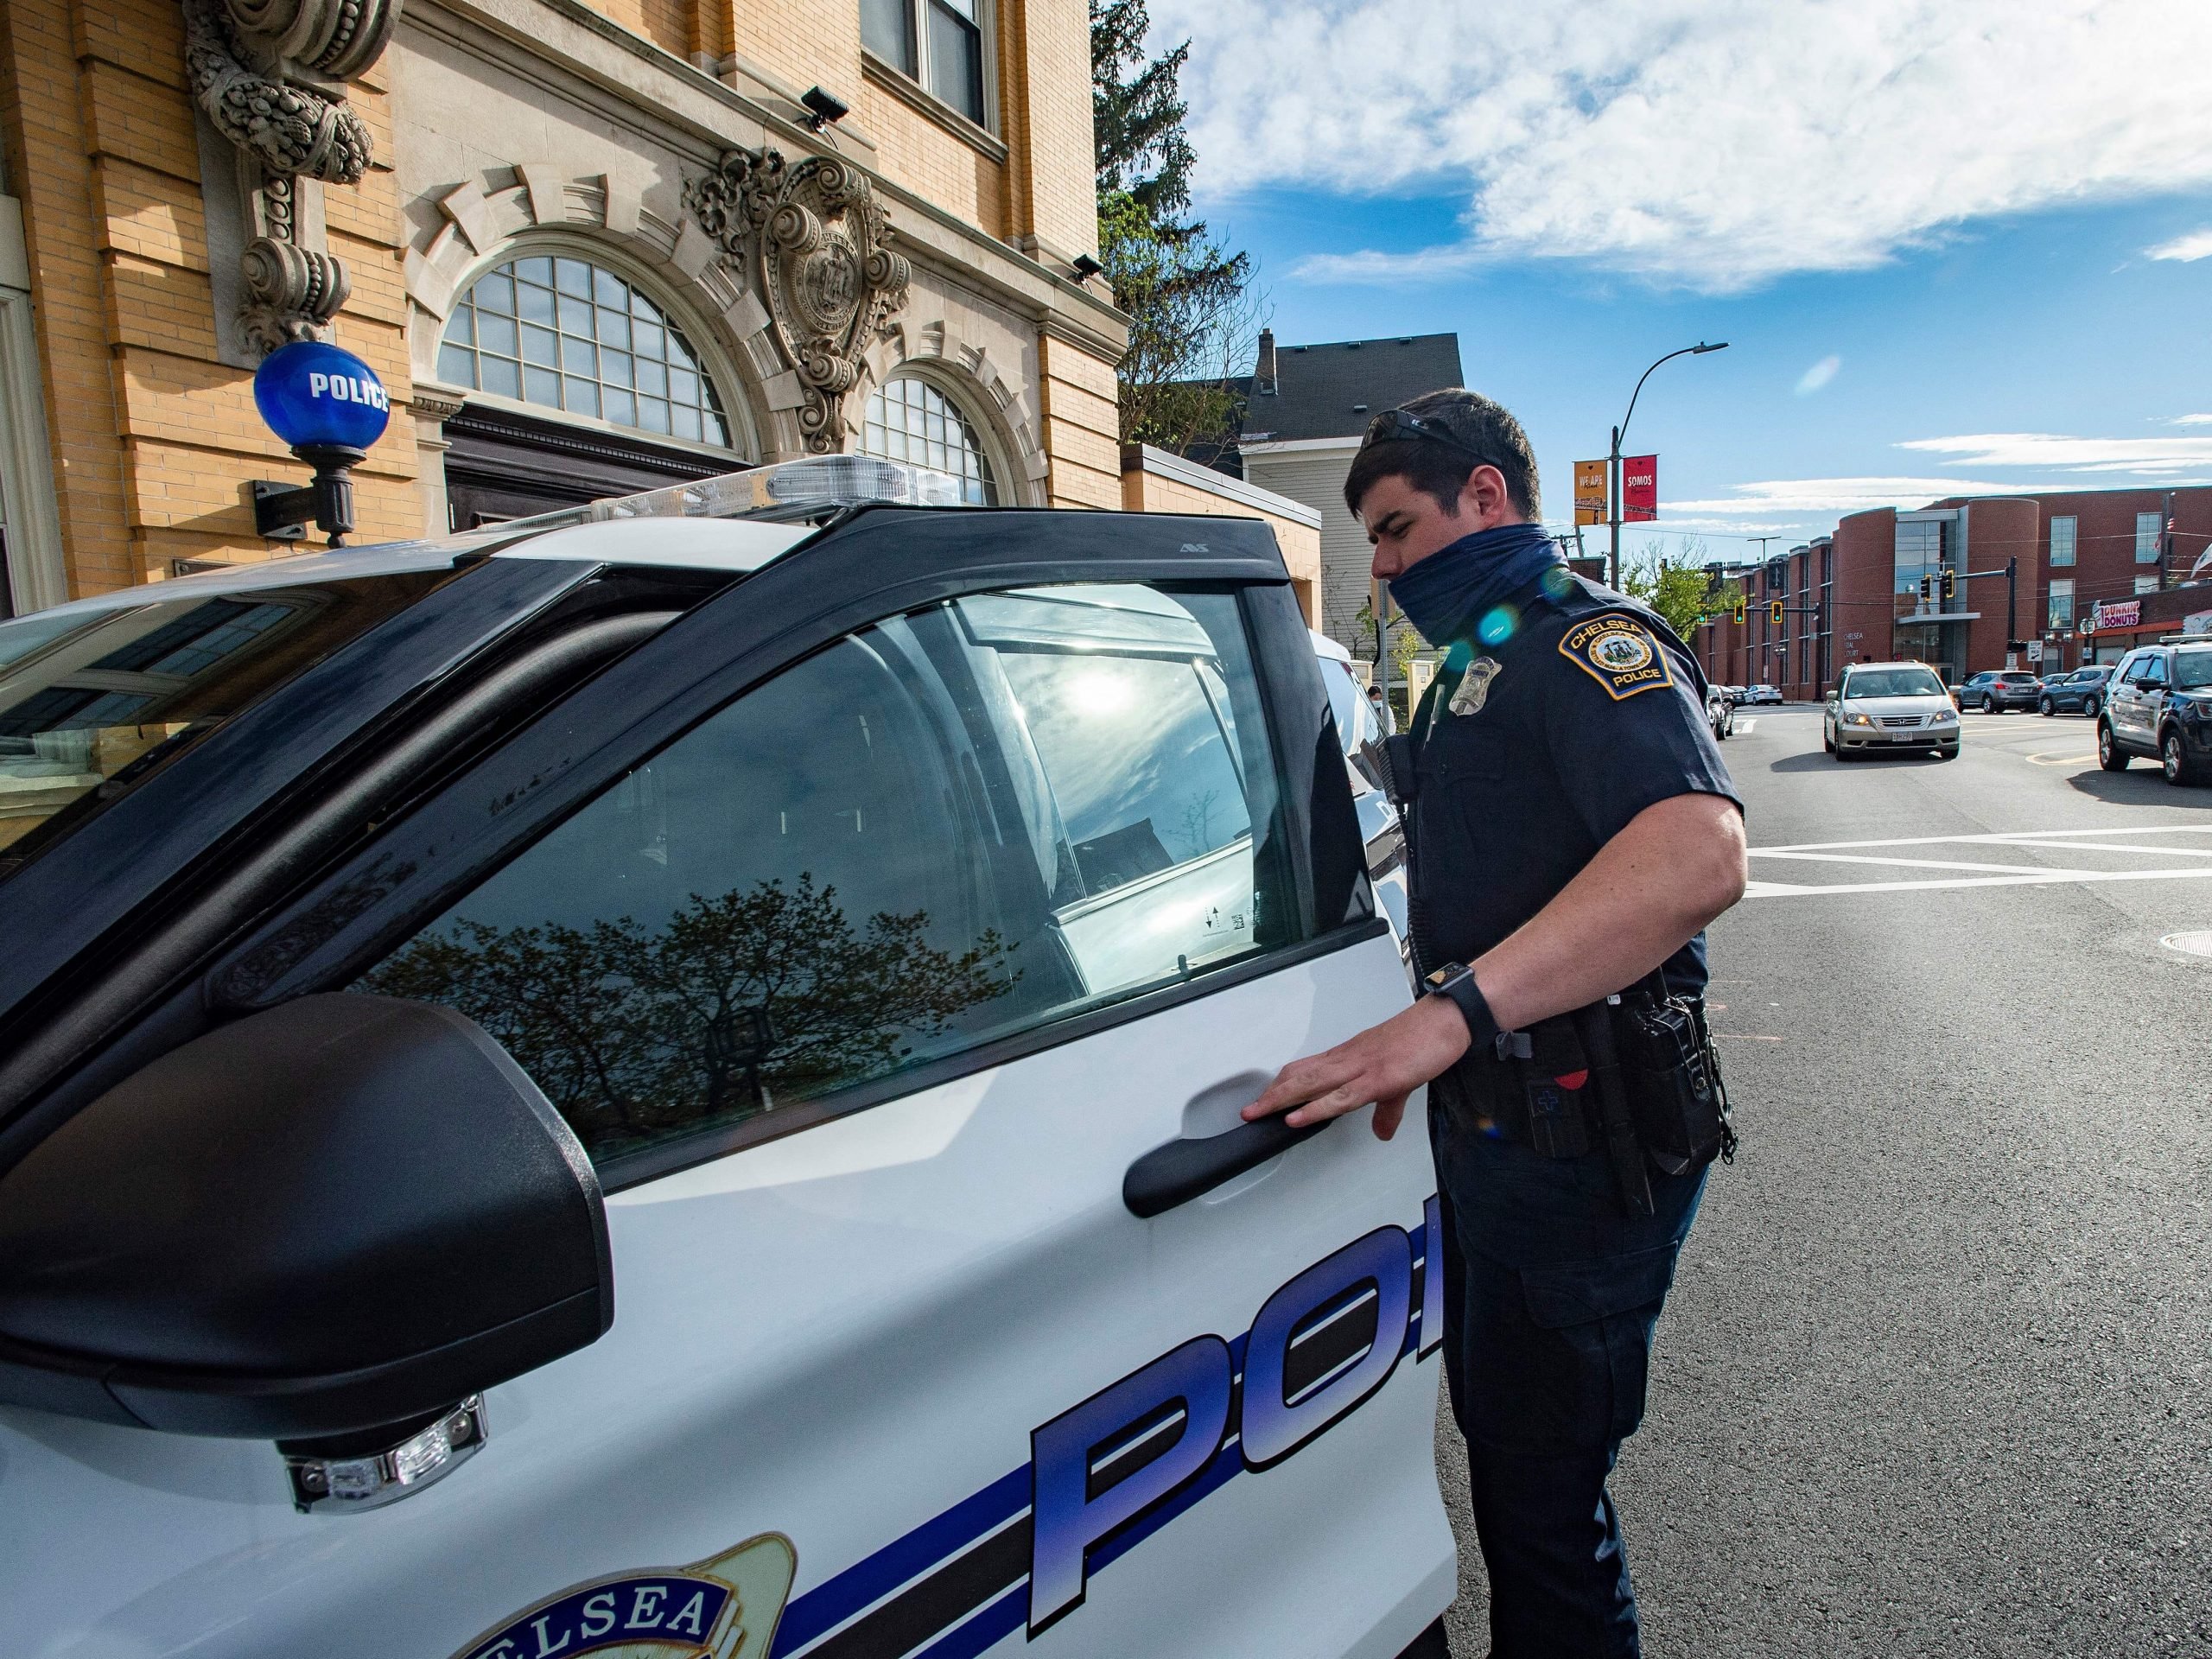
{"x": 1936, "y": 1374}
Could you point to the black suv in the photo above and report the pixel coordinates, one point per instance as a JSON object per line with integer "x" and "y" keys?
{"x": 2158, "y": 702}
{"x": 2082, "y": 692}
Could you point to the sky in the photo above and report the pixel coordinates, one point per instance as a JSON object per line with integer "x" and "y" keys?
{"x": 1956, "y": 246}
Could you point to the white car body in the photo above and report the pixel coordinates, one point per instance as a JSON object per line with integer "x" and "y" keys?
{"x": 908, "y": 1380}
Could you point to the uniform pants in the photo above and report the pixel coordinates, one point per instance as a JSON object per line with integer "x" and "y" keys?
{"x": 1549, "y": 1303}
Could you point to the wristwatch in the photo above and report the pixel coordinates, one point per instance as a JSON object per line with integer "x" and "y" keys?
{"x": 1456, "y": 982}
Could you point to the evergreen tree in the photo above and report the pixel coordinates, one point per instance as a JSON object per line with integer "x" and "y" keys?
{"x": 1191, "y": 311}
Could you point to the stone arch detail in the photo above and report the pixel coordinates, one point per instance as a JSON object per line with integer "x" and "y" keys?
{"x": 482, "y": 227}
{"x": 983, "y": 392}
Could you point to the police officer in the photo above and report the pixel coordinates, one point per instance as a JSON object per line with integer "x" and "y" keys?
{"x": 1573, "y": 830}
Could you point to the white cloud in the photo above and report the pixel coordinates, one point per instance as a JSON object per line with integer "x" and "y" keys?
{"x": 1812, "y": 498}
{"x": 2153, "y": 458}
{"x": 2190, "y": 420}
{"x": 1713, "y": 144}
{"x": 2188, "y": 249}
{"x": 1818, "y": 376}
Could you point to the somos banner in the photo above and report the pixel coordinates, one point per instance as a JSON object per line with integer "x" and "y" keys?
{"x": 1639, "y": 488}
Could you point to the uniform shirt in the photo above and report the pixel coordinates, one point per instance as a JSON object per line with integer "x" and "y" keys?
{"x": 1541, "y": 750}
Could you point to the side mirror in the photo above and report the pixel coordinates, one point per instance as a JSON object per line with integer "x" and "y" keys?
{"x": 343, "y": 1214}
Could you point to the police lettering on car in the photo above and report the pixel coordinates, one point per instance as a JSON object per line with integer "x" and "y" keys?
{"x": 1572, "y": 830}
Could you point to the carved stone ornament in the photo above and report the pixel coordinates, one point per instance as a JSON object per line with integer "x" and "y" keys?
{"x": 814, "y": 245}
{"x": 290, "y": 293}
{"x": 238, "y": 80}
{"x": 270, "y": 76}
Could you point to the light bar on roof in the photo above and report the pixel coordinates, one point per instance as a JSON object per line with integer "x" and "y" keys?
{"x": 788, "y": 489}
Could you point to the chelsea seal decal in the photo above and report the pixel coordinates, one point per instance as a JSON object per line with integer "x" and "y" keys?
{"x": 722, "y": 1608}
{"x": 1618, "y": 652}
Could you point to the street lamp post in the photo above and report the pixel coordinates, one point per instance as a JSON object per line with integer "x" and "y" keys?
{"x": 1613, "y": 462}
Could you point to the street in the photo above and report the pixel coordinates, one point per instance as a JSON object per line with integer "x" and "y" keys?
{"x": 1934, "y": 1375}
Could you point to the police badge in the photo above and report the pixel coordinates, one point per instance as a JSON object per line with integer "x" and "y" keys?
{"x": 726, "y": 1607}
{"x": 1473, "y": 689}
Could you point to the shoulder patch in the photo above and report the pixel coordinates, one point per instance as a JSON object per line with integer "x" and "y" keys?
{"x": 1618, "y": 652}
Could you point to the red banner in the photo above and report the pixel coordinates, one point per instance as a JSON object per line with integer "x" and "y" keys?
{"x": 1639, "y": 488}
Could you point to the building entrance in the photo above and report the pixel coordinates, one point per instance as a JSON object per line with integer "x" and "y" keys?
{"x": 1942, "y": 646}
{"x": 502, "y": 465}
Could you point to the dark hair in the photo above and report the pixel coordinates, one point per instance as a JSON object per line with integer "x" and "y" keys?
{"x": 1439, "y": 470}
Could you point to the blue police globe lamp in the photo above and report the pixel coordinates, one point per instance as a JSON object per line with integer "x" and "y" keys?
{"x": 329, "y": 407}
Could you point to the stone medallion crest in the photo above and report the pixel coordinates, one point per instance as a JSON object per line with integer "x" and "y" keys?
{"x": 814, "y": 245}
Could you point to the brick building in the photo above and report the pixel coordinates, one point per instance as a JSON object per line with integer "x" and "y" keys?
{"x": 2093, "y": 571}
{"x": 586, "y": 248}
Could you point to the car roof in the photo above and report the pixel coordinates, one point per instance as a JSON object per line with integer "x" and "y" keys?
{"x": 737, "y": 545}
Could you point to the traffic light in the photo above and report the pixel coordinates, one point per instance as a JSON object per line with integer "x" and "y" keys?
{"x": 1951, "y": 583}
{"x": 1739, "y": 610}
{"x": 1927, "y": 591}
{"x": 1774, "y": 612}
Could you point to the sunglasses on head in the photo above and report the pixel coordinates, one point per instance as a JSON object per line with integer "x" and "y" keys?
{"x": 1393, "y": 424}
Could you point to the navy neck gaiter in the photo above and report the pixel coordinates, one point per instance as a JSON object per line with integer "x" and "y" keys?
{"x": 1448, "y": 594}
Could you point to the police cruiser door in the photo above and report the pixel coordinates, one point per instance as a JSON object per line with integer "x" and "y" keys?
{"x": 901, "y": 964}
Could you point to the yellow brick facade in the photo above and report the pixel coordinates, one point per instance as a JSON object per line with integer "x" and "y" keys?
{"x": 154, "y": 437}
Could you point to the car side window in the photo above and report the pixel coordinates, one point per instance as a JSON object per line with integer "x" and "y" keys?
{"x": 2152, "y": 671}
{"x": 946, "y": 829}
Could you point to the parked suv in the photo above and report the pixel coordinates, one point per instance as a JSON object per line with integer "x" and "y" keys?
{"x": 852, "y": 928}
{"x": 2158, "y": 702}
{"x": 1997, "y": 690}
{"x": 1896, "y": 706}
{"x": 2082, "y": 692}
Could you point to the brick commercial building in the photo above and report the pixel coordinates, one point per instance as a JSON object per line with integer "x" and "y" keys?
{"x": 587, "y": 249}
{"x": 2093, "y": 571}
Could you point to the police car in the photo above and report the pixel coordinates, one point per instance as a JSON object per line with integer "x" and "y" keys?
{"x": 664, "y": 1079}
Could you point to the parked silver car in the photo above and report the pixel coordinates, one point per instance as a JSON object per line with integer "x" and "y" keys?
{"x": 1893, "y": 706}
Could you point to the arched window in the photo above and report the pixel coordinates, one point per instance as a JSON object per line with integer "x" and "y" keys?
{"x": 910, "y": 420}
{"x": 568, "y": 334}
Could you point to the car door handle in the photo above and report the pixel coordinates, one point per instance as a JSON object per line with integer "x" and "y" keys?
{"x": 1185, "y": 1169}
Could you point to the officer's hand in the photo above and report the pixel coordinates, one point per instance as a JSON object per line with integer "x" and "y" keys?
{"x": 1384, "y": 1064}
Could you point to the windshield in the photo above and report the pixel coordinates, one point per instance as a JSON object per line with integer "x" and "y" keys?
{"x": 2192, "y": 669}
{"x": 104, "y": 697}
{"x": 1893, "y": 683}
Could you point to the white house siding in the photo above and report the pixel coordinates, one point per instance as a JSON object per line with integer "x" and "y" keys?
{"x": 1317, "y": 481}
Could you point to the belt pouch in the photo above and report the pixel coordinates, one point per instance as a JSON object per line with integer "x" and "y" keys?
{"x": 1681, "y": 1114}
{"x": 1554, "y": 1079}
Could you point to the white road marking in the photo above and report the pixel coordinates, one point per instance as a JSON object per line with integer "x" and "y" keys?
{"x": 1915, "y": 863}
{"x": 2027, "y": 837}
{"x": 1989, "y": 876}
{"x": 2042, "y": 879}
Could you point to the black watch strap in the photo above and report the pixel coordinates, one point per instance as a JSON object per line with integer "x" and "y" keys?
{"x": 1456, "y": 980}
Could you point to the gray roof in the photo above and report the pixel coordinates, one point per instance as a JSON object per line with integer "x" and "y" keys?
{"x": 1331, "y": 390}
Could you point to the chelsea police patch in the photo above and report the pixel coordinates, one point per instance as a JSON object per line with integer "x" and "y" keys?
{"x": 723, "y": 1608}
{"x": 1618, "y": 652}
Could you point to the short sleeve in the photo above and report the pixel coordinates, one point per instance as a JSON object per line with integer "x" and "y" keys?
{"x": 1625, "y": 722}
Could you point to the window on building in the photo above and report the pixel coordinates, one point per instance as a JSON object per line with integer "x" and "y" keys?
{"x": 570, "y": 335}
{"x": 1919, "y": 553}
{"x": 910, "y": 420}
{"x": 2062, "y": 533}
{"x": 2150, "y": 528}
{"x": 937, "y": 43}
{"x": 2146, "y": 584}
{"x": 2062, "y": 601}
{"x": 951, "y": 827}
